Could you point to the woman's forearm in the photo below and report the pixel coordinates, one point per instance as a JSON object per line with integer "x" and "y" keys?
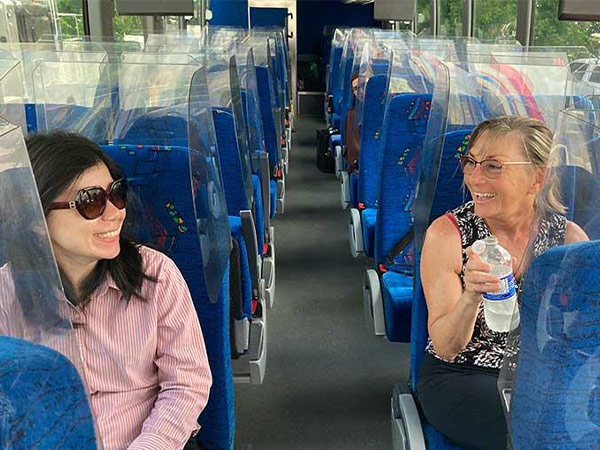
{"x": 451, "y": 332}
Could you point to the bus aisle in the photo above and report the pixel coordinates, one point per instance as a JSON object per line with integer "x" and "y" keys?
{"x": 328, "y": 384}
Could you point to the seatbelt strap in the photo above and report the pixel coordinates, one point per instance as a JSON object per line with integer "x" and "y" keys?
{"x": 400, "y": 246}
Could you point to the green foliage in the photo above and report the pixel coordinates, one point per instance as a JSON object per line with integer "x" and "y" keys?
{"x": 451, "y": 17}
{"x": 71, "y": 20}
{"x": 126, "y": 25}
{"x": 495, "y": 19}
{"x": 71, "y": 24}
{"x": 551, "y": 31}
{"x": 423, "y": 17}
{"x": 69, "y": 6}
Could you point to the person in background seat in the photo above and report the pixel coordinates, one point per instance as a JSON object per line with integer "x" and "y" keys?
{"x": 504, "y": 170}
{"x": 142, "y": 351}
{"x": 352, "y": 135}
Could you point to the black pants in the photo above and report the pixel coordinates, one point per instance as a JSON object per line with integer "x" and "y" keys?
{"x": 463, "y": 403}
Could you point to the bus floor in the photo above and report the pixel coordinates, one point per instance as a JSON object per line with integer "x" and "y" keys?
{"x": 328, "y": 381}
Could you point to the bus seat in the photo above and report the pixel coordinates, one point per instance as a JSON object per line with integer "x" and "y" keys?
{"x": 43, "y": 403}
{"x": 273, "y": 195}
{"x": 260, "y": 218}
{"x": 335, "y": 121}
{"x": 265, "y": 99}
{"x": 229, "y": 156}
{"x": 442, "y": 177}
{"x": 580, "y": 194}
{"x": 236, "y": 192}
{"x": 168, "y": 222}
{"x": 372, "y": 118}
{"x": 370, "y": 139}
{"x": 399, "y": 166}
{"x": 243, "y": 315}
{"x": 555, "y": 397}
{"x": 149, "y": 129}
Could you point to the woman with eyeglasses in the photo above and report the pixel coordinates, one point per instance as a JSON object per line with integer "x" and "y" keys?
{"x": 141, "y": 346}
{"x": 504, "y": 171}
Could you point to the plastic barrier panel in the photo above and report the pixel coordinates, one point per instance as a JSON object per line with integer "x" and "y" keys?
{"x": 73, "y": 93}
{"x": 549, "y": 375}
{"x": 228, "y": 115}
{"x": 34, "y": 308}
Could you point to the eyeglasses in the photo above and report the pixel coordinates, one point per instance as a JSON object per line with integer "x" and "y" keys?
{"x": 91, "y": 201}
{"x": 492, "y": 168}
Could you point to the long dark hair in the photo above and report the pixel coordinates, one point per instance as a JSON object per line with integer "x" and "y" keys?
{"x": 58, "y": 159}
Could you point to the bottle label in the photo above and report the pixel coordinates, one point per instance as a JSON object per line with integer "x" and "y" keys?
{"x": 508, "y": 289}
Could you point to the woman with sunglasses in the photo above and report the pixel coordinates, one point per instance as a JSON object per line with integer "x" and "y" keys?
{"x": 141, "y": 346}
{"x": 504, "y": 171}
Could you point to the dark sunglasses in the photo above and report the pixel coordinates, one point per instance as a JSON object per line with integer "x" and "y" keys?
{"x": 91, "y": 201}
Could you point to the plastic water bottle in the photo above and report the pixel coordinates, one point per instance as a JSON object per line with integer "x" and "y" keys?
{"x": 498, "y": 307}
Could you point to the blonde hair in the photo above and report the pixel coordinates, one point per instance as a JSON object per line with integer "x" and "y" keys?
{"x": 536, "y": 138}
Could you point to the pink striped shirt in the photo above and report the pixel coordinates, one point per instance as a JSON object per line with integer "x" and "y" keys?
{"x": 144, "y": 363}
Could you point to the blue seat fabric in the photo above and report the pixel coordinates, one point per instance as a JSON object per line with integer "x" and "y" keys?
{"x": 397, "y": 302}
{"x": 273, "y": 191}
{"x": 368, "y": 218}
{"x": 370, "y": 138}
{"x": 335, "y": 121}
{"x": 265, "y": 98}
{"x": 235, "y": 190}
{"x": 235, "y": 225}
{"x": 159, "y": 176}
{"x": 353, "y": 189}
{"x": 446, "y": 194}
{"x": 334, "y": 139}
{"x": 436, "y": 440}
{"x": 555, "y": 398}
{"x": 259, "y": 218}
{"x": 399, "y": 164}
{"x": 148, "y": 129}
{"x": 580, "y": 194}
{"x": 43, "y": 403}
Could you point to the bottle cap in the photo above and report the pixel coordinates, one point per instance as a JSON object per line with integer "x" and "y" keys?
{"x": 478, "y": 247}
{"x": 491, "y": 240}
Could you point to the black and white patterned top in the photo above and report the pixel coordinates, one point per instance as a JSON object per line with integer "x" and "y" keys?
{"x": 486, "y": 347}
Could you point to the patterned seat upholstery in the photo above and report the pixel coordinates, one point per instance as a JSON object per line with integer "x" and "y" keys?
{"x": 231, "y": 167}
{"x": 266, "y": 100}
{"x": 154, "y": 175}
{"x": 580, "y": 193}
{"x": 440, "y": 189}
{"x": 370, "y": 139}
{"x": 232, "y": 171}
{"x": 555, "y": 398}
{"x": 43, "y": 403}
{"x": 399, "y": 165}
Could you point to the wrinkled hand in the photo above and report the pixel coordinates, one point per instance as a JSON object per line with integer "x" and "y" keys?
{"x": 478, "y": 279}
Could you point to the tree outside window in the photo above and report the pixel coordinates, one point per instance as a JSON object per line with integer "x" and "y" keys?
{"x": 551, "y": 31}
{"x": 495, "y": 20}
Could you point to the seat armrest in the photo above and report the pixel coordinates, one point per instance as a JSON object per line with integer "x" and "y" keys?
{"x": 407, "y": 431}
{"x": 249, "y": 230}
